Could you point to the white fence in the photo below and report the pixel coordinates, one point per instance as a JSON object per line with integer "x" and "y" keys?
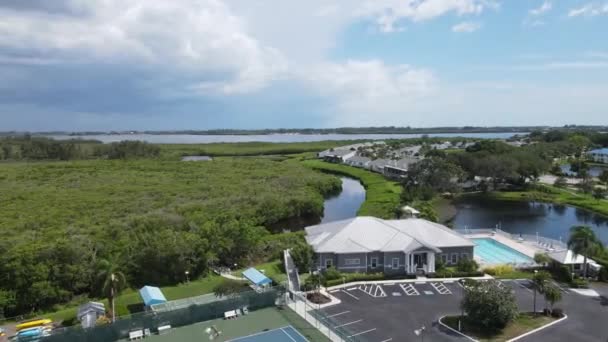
{"x": 538, "y": 241}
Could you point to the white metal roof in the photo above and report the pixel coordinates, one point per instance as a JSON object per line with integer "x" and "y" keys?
{"x": 567, "y": 257}
{"x": 367, "y": 234}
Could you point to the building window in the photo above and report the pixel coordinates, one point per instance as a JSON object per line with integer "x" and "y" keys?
{"x": 444, "y": 259}
{"x": 374, "y": 262}
{"x": 352, "y": 262}
{"x": 454, "y": 258}
{"x": 464, "y": 256}
{"x": 328, "y": 263}
{"x": 395, "y": 262}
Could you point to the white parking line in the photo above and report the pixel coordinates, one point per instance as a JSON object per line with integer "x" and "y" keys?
{"x": 363, "y": 332}
{"x": 373, "y": 290}
{"x": 338, "y": 314}
{"x": 387, "y": 340}
{"x": 441, "y": 288}
{"x": 349, "y": 323}
{"x": 409, "y": 289}
{"x": 348, "y": 293}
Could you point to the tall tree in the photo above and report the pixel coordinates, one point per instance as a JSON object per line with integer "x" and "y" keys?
{"x": 583, "y": 242}
{"x": 541, "y": 282}
{"x": 303, "y": 256}
{"x": 113, "y": 281}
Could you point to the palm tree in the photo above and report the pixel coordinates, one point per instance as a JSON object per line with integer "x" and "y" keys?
{"x": 583, "y": 242}
{"x": 541, "y": 282}
{"x": 552, "y": 295}
{"x": 112, "y": 281}
{"x": 542, "y": 259}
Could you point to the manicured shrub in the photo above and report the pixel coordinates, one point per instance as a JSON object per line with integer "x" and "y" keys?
{"x": 331, "y": 274}
{"x": 498, "y": 270}
{"x": 467, "y": 265}
{"x": 489, "y": 306}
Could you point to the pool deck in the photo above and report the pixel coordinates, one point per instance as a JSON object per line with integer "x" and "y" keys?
{"x": 519, "y": 246}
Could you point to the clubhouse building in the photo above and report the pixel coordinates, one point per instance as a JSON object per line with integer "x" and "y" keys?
{"x": 369, "y": 244}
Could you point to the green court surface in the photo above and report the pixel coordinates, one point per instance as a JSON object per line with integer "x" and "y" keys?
{"x": 255, "y": 322}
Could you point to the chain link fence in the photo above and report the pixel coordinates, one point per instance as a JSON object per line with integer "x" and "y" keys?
{"x": 176, "y": 318}
{"x": 312, "y": 313}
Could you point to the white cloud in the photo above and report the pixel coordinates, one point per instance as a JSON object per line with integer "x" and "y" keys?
{"x": 589, "y": 10}
{"x": 197, "y": 37}
{"x": 466, "y": 27}
{"x": 388, "y": 13}
{"x": 370, "y": 89}
{"x": 545, "y": 7}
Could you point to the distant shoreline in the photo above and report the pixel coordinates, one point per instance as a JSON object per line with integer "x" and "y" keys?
{"x": 321, "y": 131}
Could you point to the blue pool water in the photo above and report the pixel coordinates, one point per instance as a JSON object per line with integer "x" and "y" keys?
{"x": 494, "y": 252}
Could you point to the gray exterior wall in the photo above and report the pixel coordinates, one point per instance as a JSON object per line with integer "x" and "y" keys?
{"x": 450, "y": 251}
{"x": 320, "y": 262}
{"x": 346, "y": 262}
{"x": 379, "y": 265}
{"x": 388, "y": 265}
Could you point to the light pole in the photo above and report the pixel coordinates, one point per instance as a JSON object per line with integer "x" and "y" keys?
{"x": 535, "y": 273}
{"x": 187, "y": 273}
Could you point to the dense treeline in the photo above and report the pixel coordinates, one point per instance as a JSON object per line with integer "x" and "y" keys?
{"x": 39, "y": 148}
{"x": 156, "y": 219}
{"x": 498, "y": 163}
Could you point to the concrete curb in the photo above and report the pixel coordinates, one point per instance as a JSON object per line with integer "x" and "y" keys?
{"x": 511, "y": 340}
{"x": 454, "y": 330}
{"x": 538, "y": 329}
{"x": 404, "y": 281}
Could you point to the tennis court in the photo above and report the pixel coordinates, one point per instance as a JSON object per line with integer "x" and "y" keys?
{"x": 270, "y": 324}
{"x": 284, "y": 334}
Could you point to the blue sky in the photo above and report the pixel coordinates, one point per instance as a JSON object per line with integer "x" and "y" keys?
{"x": 202, "y": 64}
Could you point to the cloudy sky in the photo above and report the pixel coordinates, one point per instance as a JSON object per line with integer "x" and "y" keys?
{"x": 202, "y": 64}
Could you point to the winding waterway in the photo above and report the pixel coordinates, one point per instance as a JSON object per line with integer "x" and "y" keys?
{"x": 549, "y": 220}
{"x": 346, "y": 204}
{"x": 341, "y": 206}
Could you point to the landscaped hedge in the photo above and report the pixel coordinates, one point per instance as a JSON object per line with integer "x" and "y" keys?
{"x": 456, "y": 274}
{"x": 353, "y": 277}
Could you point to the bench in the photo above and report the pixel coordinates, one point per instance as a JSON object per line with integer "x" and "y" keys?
{"x": 136, "y": 335}
{"x": 164, "y": 329}
{"x": 230, "y": 314}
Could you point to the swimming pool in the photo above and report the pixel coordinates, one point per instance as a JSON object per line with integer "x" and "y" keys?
{"x": 494, "y": 252}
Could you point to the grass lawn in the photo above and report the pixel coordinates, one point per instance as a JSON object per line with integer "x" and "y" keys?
{"x": 552, "y": 194}
{"x": 272, "y": 269}
{"x": 174, "y": 151}
{"x": 382, "y": 195}
{"x": 523, "y": 323}
{"x": 130, "y": 302}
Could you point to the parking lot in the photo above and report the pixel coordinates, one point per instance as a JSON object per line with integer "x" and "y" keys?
{"x": 393, "y": 312}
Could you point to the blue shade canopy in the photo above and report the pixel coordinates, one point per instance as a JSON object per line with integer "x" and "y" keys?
{"x": 152, "y": 295}
{"x": 256, "y": 277}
